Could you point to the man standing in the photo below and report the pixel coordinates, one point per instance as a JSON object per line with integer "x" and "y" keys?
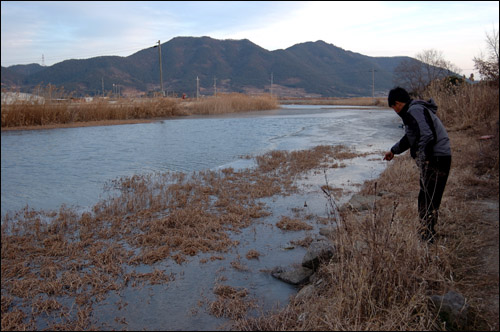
{"x": 429, "y": 145}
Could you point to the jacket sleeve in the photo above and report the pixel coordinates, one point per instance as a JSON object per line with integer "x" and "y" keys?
{"x": 401, "y": 146}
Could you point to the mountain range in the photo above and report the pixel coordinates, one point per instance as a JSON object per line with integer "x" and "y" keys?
{"x": 207, "y": 66}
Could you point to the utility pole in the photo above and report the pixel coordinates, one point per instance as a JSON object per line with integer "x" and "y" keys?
{"x": 102, "y": 81}
{"x": 215, "y": 86}
{"x": 373, "y": 84}
{"x": 271, "y": 84}
{"x": 197, "y": 87}
{"x": 161, "y": 75}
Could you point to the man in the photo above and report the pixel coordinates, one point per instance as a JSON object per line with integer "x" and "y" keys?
{"x": 429, "y": 145}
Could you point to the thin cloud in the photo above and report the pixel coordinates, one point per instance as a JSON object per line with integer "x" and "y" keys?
{"x": 63, "y": 30}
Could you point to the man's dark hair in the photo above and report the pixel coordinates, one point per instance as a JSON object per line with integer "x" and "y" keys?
{"x": 398, "y": 94}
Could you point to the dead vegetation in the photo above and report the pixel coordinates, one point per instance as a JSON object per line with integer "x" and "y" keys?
{"x": 383, "y": 275}
{"x": 56, "y": 264}
{"x": 289, "y": 224}
{"x": 70, "y": 111}
{"x": 231, "y": 103}
{"x": 231, "y": 302}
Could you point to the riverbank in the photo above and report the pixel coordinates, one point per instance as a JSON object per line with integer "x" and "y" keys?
{"x": 81, "y": 124}
{"x": 383, "y": 275}
{"x": 355, "y": 101}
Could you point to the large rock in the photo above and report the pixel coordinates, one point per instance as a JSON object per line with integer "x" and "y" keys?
{"x": 451, "y": 308}
{"x": 360, "y": 203}
{"x": 295, "y": 275}
{"x": 317, "y": 252}
{"x": 328, "y": 231}
{"x": 305, "y": 293}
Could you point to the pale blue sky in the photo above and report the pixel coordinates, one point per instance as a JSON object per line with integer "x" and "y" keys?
{"x": 78, "y": 29}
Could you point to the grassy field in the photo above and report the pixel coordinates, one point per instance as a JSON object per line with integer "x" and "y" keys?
{"x": 382, "y": 276}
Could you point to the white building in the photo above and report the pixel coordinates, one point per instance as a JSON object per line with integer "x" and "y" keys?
{"x": 12, "y": 97}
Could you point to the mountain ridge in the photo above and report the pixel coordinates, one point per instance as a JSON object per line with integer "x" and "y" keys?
{"x": 306, "y": 69}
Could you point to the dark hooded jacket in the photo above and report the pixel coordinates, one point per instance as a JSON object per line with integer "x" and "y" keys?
{"x": 425, "y": 135}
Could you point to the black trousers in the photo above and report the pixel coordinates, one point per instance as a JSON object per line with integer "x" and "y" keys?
{"x": 433, "y": 177}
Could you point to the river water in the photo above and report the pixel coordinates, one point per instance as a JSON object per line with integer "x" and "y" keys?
{"x": 44, "y": 169}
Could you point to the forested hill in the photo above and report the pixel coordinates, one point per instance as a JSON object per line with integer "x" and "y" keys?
{"x": 306, "y": 69}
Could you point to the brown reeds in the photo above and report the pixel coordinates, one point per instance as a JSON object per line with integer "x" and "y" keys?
{"x": 289, "y": 224}
{"x": 22, "y": 114}
{"x": 232, "y": 103}
{"x": 70, "y": 111}
{"x": 466, "y": 106}
{"x": 231, "y": 302}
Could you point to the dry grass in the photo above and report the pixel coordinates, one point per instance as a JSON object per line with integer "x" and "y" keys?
{"x": 22, "y": 114}
{"x": 71, "y": 111}
{"x": 379, "y": 280}
{"x": 231, "y": 302}
{"x": 232, "y": 103}
{"x": 466, "y": 106}
{"x": 53, "y": 255}
{"x": 289, "y": 224}
{"x": 252, "y": 254}
{"x": 383, "y": 275}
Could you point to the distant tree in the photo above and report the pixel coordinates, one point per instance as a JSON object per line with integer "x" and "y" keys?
{"x": 408, "y": 74}
{"x": 416, "y": 74}
{"x": 488, "y": 66}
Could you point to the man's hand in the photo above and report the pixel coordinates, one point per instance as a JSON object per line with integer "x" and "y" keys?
{"x": 388, "y": 156}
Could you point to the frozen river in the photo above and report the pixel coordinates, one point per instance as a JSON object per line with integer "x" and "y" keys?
{"x": 46, "y": 168}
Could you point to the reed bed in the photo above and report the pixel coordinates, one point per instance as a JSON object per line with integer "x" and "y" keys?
{"x": 57, "y": 264}
{"x": 22, "y": 114}
{"x": 466, "y": 106}
{"x": 71, "y": 111}
{"x": 232, "y": 103}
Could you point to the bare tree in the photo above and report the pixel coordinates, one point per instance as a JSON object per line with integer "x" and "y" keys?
{"x": 488, "y": 66}
{"x": 409, "y": 75}
{"x": 428, "y": 65}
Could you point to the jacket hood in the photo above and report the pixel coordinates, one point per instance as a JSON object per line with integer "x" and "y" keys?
{"x": 429, "y": 104}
